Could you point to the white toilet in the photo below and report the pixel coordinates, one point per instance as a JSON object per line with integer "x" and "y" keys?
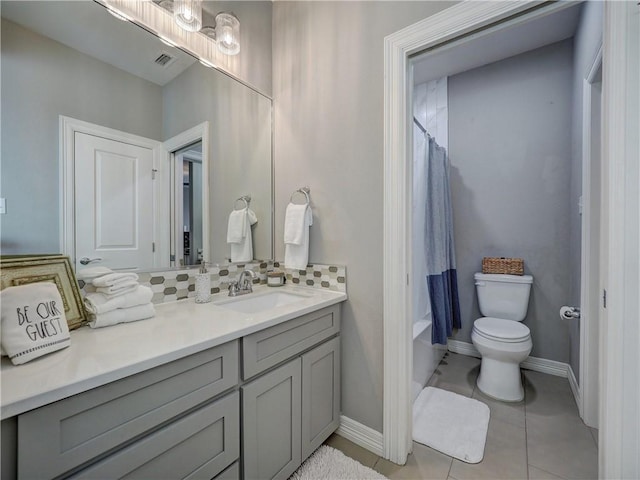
{"x": 499, "y": 336}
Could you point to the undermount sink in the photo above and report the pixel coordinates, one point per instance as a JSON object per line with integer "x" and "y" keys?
{"x": 254, "y": 303}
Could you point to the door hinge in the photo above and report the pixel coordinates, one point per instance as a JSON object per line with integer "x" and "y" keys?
{"x": 153, "y": 246}
{"x": 604, "y": 299}
{"x": 153, "y": 173}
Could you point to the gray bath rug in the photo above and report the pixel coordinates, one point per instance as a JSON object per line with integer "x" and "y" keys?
{"x": 450, "y": 423}
{"x": 328, "y": 463}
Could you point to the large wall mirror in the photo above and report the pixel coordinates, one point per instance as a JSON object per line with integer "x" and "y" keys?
{"x": 171, "y": 144}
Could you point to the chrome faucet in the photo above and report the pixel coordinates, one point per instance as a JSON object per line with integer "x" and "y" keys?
{"x": 243, "y": 285}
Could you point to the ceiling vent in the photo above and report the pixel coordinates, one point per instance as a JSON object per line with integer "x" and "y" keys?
{"x": 164, "y": 59}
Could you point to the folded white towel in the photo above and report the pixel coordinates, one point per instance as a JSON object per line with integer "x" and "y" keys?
{"x": 236, "y": 228}
{"x": 295, "y": 218}
{"x": 122, "y": 315}
{"x": 297, "y": 255}
{"x": 33, "y": 321}
{"x": 114, "y": 279}
{"x": 243, "y": 250}
{"x": 93, "y": 272}
{"x": 120, "y": 289}
{"x": 97, "y": 303}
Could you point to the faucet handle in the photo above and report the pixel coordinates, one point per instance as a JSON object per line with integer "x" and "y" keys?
{"x": 233, "y": 288}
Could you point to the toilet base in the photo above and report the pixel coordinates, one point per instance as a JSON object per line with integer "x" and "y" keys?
{"x": 501, "y": 380}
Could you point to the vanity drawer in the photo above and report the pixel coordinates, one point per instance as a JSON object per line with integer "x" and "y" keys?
{"x": 71, "y": 432}
{"x": 267, "y": 348}
{"x": 198, "y": 446}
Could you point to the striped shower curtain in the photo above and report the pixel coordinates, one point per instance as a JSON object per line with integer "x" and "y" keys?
{"x": 442, "y": 279}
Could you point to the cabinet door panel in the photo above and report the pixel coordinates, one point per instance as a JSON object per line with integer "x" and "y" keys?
{"x": 320, "y": 394}
{"x": 198, "y": 446}
{"x": 71, "y": 432}
{"x": 271, "y": 423}
{"x": 267, "y": 348}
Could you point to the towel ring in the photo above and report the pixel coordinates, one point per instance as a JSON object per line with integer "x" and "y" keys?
{"x": 305, "y": 191}
{"x": 245, "y": 198}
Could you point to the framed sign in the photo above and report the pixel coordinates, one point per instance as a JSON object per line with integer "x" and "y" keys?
{"x": 24, "y": 269}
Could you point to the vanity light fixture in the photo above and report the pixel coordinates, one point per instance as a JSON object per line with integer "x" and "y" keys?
{"x": 228, "y": 33}
{"x": 188, "y": 14}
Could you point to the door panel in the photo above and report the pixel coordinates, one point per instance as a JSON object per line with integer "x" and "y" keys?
{"x": 114, "y": 202}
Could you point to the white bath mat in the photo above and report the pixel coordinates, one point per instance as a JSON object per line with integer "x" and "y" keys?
{"x": 328, "y": 463}
{"x": 450, "y": 423}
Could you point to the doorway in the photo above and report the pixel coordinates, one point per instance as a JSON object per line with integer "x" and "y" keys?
{"x": 463, "y": 24}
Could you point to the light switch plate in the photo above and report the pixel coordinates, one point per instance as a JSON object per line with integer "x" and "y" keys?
{"x": 3, "y": 206}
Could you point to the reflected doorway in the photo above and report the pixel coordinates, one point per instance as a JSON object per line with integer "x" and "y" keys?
{"x": 190, "y": 159}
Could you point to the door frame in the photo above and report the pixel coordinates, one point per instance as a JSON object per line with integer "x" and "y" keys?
{"x": 68, "y": 127}
{"x": 199, "y": 132}
{"x": 620, "y": 388}
{"x": 589, "y": 311}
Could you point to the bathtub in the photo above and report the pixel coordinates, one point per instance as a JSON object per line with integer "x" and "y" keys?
{"x": 426, "y": 357}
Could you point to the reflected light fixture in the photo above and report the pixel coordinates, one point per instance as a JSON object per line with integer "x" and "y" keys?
{"x": 188, "y": 14}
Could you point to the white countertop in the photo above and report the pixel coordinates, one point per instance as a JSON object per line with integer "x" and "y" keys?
{"x": 100, "y": 356}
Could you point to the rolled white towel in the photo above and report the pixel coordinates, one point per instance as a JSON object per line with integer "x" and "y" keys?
{"x": 97, "y": 303}
{"x": 120, "y": 289}
{"x": 122, "y": 315}
{"x": 114, "y": 279}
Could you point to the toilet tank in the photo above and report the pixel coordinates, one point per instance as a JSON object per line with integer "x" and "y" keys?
{"x": 503, "y": 296}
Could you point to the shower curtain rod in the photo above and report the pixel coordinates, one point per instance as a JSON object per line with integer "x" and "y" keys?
{"x": 415, "y": 120}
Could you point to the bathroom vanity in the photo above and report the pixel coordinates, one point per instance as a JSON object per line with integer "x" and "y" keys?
{"x": 246, "y": 388}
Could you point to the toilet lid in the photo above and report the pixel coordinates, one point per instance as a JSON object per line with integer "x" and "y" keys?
{"x": 501, "y": 329}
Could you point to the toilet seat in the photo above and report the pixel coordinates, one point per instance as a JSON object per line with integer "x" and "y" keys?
{"x": 501, "y": 330}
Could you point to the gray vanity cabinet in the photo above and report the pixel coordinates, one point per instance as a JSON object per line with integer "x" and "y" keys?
{"x": 291, "y": 410}
{"x": 271, "y": 416}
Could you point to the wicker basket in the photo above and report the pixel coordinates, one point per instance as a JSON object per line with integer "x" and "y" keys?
{"x": 510, "y": 266}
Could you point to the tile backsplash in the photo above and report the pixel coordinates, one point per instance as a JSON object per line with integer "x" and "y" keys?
{"x": 171, "y": 285}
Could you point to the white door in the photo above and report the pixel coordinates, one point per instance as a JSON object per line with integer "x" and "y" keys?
{"x": 113, "y": 203}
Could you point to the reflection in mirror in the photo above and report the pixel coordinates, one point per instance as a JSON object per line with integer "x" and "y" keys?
{"x": 190, "y": 158}
{"x": 73, "y": 59}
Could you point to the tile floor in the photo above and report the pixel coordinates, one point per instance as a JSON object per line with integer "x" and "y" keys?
{"x": 540, "y": 438}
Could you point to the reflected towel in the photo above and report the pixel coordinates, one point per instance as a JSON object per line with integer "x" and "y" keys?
{"x": 97, "y": 303}
{"x": 236, "y": 228}
{"x": 90, "y": 273}
{"x": 115, "y": 279}
{"x": 243, "y": 251}
{"x": 122, "y": 315}
{"x": 297, "y": 255}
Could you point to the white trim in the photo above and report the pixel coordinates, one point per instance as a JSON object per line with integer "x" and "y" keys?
{"x": 619, "y": 327}
{"x": 536, "y": 364}
{"x": 454, "y": 22}
{"x": 589, "y": 296}
{"x": 67, "y": 129}
{"x": 194, "y": 134}
{"x": 360, "y": 435}
{"x": 575, "y": 388}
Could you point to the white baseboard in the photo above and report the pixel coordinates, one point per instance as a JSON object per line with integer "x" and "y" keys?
{"x": 575, "y": 389}
{"x": 362, "y": 435}
{"x": 536, "y": 364}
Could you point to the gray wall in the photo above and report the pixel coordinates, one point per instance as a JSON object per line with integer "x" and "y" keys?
{"x": 328, "y": 96}
{"x": 510, "y": 152}
{"x": 586, "y": 43}
{"x": 39, "y": 83}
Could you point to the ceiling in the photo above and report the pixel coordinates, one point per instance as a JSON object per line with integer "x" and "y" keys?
{"x": 86, "y": 26}
{"x": 490, "y": 46}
